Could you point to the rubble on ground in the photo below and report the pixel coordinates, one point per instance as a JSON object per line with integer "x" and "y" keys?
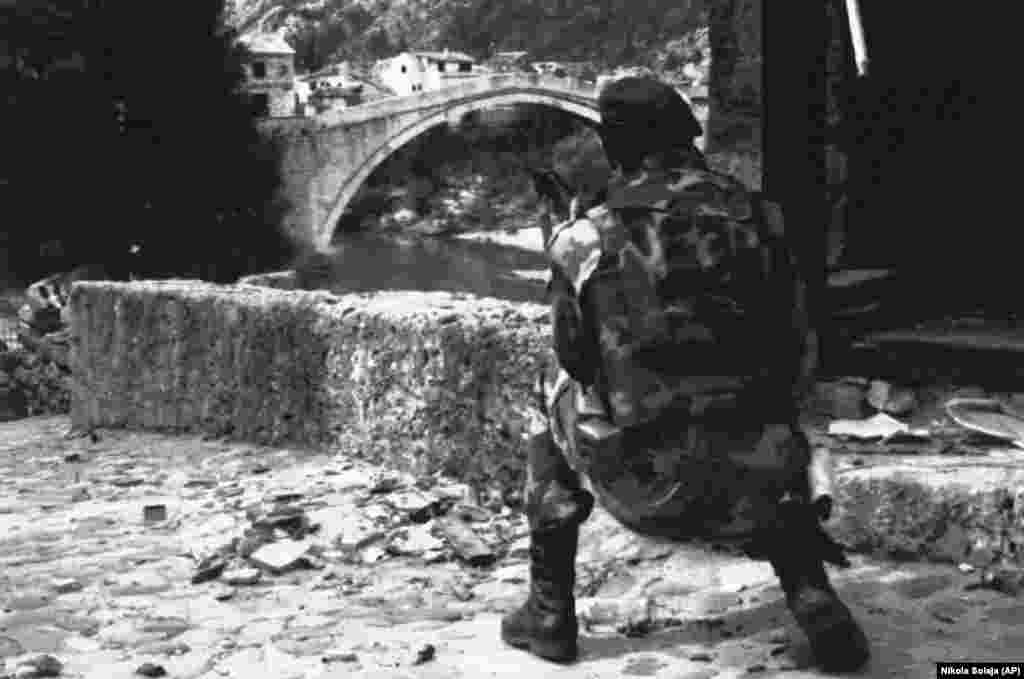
{"x": 315, "y": 563}
{"x": 35, "y": 370}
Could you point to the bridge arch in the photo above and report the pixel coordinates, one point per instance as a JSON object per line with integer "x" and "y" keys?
{"x": 580, "y": 106}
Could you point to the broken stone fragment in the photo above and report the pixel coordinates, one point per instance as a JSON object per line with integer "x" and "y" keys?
{"x": 339, "y": 656}
{"x": 414, "y": 540}
{"x": 200, "y": 482}
{"x": 425, "y": 654}
{"x": 149, "y": 669}
{"x": 467, "y": 545}
{"x": 241, "y": 576}
{"x": 66, "y": 586}
{"x": 209, "y": 568}
{"x": 38, "y": 667}
{"x": 520, "y": 549}
{"x": 280, "y": 557}
{"x": 154, "y": 513}
{"x": 251, "y": 540}
{"x": 614, "y": 611}
{"x": 126, "y": 481}
{"x": 346, "y": 530}
{"x": 382, "y": 482}
{"x": 419, "y": 506}
{"x": 224, "y": 593}
{"x": 878, "y": 394}
{"x": 887, "y": 398}
{"x": 468, "y": 512}
{"x": 373, "y": 554}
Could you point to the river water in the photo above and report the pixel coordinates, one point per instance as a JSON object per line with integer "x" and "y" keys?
{"x": 504, "y": 265}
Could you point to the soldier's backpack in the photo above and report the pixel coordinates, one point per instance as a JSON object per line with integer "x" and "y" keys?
{"x": 684, "y": 297}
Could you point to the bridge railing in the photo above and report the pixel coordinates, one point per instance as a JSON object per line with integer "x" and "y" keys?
{"x": 460, "y": 89}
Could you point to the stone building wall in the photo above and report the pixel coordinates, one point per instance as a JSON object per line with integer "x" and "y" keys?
{"x": 278, "y": 83}
{"x": 734, "y": 89}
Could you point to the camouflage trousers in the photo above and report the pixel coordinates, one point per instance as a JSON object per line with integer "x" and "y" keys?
{"x": 720, "y": 482}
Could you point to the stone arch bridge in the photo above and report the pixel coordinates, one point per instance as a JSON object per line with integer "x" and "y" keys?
{"x": 326, "y": 160}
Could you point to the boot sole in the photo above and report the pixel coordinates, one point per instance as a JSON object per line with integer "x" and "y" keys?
{"x": 548, "y": 650}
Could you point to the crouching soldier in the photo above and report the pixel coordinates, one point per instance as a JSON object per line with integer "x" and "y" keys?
{"x": 681, "y": 335}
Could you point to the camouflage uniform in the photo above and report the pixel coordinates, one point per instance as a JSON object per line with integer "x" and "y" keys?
{"x": 715, "y": 465}
{"x": 714, "y": 453}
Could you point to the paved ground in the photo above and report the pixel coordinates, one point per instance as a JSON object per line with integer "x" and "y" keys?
{"x": 399, "y": 580}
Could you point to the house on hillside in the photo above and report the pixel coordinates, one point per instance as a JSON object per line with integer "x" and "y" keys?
{"x": 555, "y": 68}
{"x": 402, "y": 74}
{"x": 270, "y": 74}
{"x": 413, "y": 72}
{"x": 503, "y": 62}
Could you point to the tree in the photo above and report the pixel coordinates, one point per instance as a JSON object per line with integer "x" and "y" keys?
{"x": 130, "y": 136}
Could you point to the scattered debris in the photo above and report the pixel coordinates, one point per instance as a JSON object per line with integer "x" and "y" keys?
{"x": 469, "y": 513}
{"x": 1002, "y": 580}
{"x": 988, "y": 416}
{"x": 468, "y": 546}
{"x": 66, "y": 586}
{"x": 425, "y": 654}
{"x": 373, "y": 554}
{"x": 149, "y": 669}
{"x": 414, "y": 540}
{"x": 280, "y": 557}
{"x": 383, "y": 483}
{"x": 210, "y": 568}
{"x": 241, "y": 577}
{"x": 224, "y": 593}
{"x": 637, "y": 629}
{"x": 886, "y": 398}
{"x": 339, "y": 656}
{"x": 880, "y": 426}
{"x": 154, "y": 513}
{"x": 38, "y": 667}
{"x": 288, "y": 518}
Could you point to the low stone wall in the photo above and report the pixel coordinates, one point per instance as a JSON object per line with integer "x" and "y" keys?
{"x": 433, "y": 380}
{"x": 439, "y": 382}
{"x": 944, "y": 508}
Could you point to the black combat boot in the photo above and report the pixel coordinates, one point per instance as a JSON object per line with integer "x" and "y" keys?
{"x": 837, "y": 641}
{"x": 546, "y": 624}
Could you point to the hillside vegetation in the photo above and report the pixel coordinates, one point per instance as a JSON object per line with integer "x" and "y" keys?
{"x": 608, "y": 33}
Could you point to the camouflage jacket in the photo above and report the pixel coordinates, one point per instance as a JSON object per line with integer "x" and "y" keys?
{"x": 707, "y": 222}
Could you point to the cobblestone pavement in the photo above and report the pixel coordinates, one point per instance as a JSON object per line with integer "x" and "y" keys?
{"x": 154, "y": 554}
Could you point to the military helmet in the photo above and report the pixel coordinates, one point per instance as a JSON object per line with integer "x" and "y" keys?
{"x": 641, "y": 115}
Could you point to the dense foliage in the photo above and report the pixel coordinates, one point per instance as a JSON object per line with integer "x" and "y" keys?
{"x": 119, "y": 137}
{"x": 605, "y": 32}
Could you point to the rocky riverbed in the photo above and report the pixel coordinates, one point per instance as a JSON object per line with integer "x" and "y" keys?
{"x": 130, "y": 554}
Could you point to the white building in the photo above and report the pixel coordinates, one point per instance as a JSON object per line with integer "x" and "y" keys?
{"x": 270, "y": 74}
{"x": 403, "y": 75}
{"x": 413, "y": 72}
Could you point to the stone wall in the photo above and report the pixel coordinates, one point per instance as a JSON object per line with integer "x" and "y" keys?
{"x": 439, "y": 382}
{"x": 734, "y": 90}
{"x": 435, "y": 380}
